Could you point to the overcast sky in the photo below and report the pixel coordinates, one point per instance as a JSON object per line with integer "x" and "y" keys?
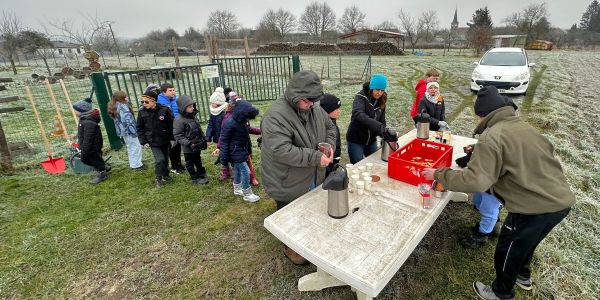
{"x": 135, "y": 18}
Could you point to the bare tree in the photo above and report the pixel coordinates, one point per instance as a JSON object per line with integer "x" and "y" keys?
{"x": 280, "y": 21}
{"x": 413, "y": 28}
{"x": 352, "y": 19}
{"x": 430, "y": 22}
{"x": 531, "y": 18}
{"x": 386, "y": 25}
{"x": 285, "y": 22}
{"x": 316, "y": 19}
{"x": 10, "y": 27}
{"x": 223, "y": 23}
{"x": 84, "y": 33}
{"x": 193, "y": 37}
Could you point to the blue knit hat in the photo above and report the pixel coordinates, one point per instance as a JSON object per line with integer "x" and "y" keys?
{"x": 83, "y": 106}
{"x": 378, "y": 82}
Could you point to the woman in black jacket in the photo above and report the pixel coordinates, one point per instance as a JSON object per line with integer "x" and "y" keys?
{"x": 432, "y": 103}
{"x": 155, "y": 128}
{"x": 368, "y": 119}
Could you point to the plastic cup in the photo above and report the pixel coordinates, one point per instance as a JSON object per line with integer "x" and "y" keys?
{"x": 362, "y": 168}
{"x": 349, "y": 168}
{"x": 368, "y": 183}
{"x": 365, "y": 174}
{"x": 355, "y": 178}
{"x": 325, "y": 148}
{"x": 360, "y": 187}
{"x": 369, "y": 167}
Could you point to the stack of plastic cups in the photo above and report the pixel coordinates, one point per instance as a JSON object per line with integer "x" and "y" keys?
{"x": 360, "y": 187}
{"x": 368, "y": 183}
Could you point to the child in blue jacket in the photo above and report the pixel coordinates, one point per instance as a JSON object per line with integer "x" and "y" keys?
{"x": 235, "y": 146}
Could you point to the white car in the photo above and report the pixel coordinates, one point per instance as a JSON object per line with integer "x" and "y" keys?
{"x": 505, "y": 68}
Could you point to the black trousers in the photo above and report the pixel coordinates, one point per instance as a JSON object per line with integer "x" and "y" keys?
{"x": 193, "y": 164}
{"x": 175, "y": 156}
{"x": 161, "y": 154}
{"x": 519, "y": 237}
{"x": 93, "y": 159}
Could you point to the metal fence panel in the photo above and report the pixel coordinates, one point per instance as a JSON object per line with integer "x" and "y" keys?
{"x": 257, "y": 78}
{"x": 192, "y": 81}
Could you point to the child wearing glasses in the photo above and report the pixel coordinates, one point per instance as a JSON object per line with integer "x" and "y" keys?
{"x": 155, "y": 128}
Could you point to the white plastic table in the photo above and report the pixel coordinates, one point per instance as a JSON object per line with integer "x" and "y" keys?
{"x": 366, "y": 248}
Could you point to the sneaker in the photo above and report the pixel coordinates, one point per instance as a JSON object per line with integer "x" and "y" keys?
{"x": 237, "y": 189}
{"x": 140, "y": 168}
{"x": 201, "y": 180}
{"x": 475, "y": 241}
{"x": 167, "y": 178}
{"x": 177, "y": 170}
{"x": 160, "y": 182}
{"x": 250, "y": 196}
{"x": 525, "y": 283}
{"x": 485, "y": 291}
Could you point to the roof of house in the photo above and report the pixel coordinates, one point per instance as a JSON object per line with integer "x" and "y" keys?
{"x": 384, "y": 33}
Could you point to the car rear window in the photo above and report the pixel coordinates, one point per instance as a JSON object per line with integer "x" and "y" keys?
{"x": 503, "y": 59}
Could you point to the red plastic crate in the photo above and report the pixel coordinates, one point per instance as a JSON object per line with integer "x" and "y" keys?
{"x": 401, "y": 167}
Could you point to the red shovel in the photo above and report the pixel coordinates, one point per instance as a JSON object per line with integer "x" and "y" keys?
{"x": 53, "y": 165}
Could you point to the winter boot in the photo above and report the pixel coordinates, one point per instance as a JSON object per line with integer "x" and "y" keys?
{"x": 250, "y": 196}
{"x": 475, "y": 241}
{"x": 253, "y": 179}
{"x": 100, "y": 176}
{"x": 224, "y": 174}
{"x": 159, "y": 182}
{"x": 237, "y": 189}
{"x": 200, "y": 180}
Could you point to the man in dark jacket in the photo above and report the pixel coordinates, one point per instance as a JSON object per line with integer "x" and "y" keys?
{"x": 155, "y": 128}
{"x": 89, "y": 136}
{"x": 332, "y": 106}
{"x": 517, "y": 164}
{"x": 188, "y": 134}
{"x": 291, "y": 132}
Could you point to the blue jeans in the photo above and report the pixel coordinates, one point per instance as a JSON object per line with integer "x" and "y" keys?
{"x": 241, "y": 174}
{"x": 359, "y": 151}
{"x": 489, "y": 208}
{"x": 134, "y": 151}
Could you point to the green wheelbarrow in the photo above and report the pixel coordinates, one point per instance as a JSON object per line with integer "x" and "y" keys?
{"x": 78, "y": 166}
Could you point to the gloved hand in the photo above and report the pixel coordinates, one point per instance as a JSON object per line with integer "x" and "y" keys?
{"x": 443, "y": 124}
{"x": 195, "y": 147}
{"x": 389, "y": 135}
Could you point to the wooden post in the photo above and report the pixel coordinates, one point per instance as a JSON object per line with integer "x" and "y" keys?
{"x": 174, "y": 42}
{"x": 247, "y": 50}
{"x": 215, "y": 44}
{"x": 5, "y": 158}
{"x": 208, "y": 45}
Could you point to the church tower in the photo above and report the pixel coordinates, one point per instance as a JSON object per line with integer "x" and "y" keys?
{"x": 454, "y": 24}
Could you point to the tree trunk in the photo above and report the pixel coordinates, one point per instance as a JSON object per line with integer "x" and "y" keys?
{"x": 12, "y": 64}
{"x": 47, "y": 66}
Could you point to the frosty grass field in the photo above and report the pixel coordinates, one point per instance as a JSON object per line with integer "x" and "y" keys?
{"x": 125, "y": 239}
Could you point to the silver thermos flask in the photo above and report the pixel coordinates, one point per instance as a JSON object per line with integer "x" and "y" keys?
{"x": 336, "y": 185}
{"x": 423, "y": 126}
{"x": 388, "y": 147}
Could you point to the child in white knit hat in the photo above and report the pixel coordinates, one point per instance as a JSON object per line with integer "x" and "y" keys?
{"x": 218, "y": 107}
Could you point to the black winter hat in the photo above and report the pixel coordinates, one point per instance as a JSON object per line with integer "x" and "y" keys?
{"x": 488, "y": 100}
{"x": 330, "y": 102}
{"x": 226, "y": 91}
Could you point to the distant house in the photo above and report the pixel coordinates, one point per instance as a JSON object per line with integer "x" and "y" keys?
{"x": 65, "y": 48}
{"x": 371, "y": 35}
{"x": 509, "y": 40}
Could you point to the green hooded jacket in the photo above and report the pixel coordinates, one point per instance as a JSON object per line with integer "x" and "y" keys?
{"x": 517, "y": 163}
{"x": 290, "y": 158}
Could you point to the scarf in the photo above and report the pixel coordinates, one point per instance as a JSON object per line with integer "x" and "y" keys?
{"x": 433, "y": 99}
{"x": 217, "y": 111}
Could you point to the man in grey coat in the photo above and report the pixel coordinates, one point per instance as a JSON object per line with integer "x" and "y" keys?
{"x": 292, "y": 129}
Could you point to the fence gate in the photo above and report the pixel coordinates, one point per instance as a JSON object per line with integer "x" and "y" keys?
{"x": 198, "y": 82}
{"x": 257, "y": 78}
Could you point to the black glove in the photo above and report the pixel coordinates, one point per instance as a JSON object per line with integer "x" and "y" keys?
{"x": 259, "y": 141}
{"x": 195, "y": 147}
{"x": 463, "y": 161}
{"x": 389, "y": 135}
